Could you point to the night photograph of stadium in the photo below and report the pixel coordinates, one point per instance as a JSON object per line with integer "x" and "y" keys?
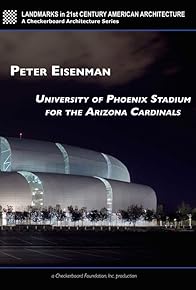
{"x": 98, "y": 190}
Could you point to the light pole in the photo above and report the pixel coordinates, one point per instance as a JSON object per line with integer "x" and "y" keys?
{"x": 167, "y": 221}
{"x": 190, "y": 220}
{"x": 175, "y": 223}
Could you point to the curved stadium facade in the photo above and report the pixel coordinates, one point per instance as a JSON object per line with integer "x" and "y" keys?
{"x": 43, "y": 174}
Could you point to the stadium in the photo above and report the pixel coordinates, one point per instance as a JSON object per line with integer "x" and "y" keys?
{"x": 43, "y": 174}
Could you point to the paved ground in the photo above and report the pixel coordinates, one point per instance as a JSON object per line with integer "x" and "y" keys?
{"x": 97, "y": 249}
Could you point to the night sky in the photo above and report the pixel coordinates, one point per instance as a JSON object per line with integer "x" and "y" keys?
{"x": 158, "y": 151}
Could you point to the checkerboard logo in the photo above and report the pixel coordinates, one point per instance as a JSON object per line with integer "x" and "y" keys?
{"x": 9, "y": 17}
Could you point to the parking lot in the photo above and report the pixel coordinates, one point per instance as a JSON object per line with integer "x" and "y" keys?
{"x": 89, "y": 249}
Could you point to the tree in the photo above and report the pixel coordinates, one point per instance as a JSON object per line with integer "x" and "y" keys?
{"x": 160, "y": 214}
{"x": 103, "y": 214}
{"x": 26, "y": 216}
{"x": 45, "y": 215}
{"x": 149, "y": 215}
{"x": 18, "y": 216}
{"x": 36, "y": 215}
{"x": 70, "y": 209}
{"x": 10, "y": 214}
{"x": 135, "y": 212}
{"x": 93, "y": 215}
{"x": 83, "y": 212}
{"x": 76, "y": 215}
{"x": 194, "y": 214}
{"x": 123, "y": 214}
{"x": 182, "y": 212}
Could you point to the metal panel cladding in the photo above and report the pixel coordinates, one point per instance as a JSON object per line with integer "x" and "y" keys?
{"x": 86, "y": 162}
{"x": 33, "y": 155}
{"x": 126, "y": 194}
{"x": 67, "y": 190}
{"x": 92, "y": 163}
{"x": 40, "y": 156}
{"x": 14, "y": 191}
{"x": 118, "y": 170}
